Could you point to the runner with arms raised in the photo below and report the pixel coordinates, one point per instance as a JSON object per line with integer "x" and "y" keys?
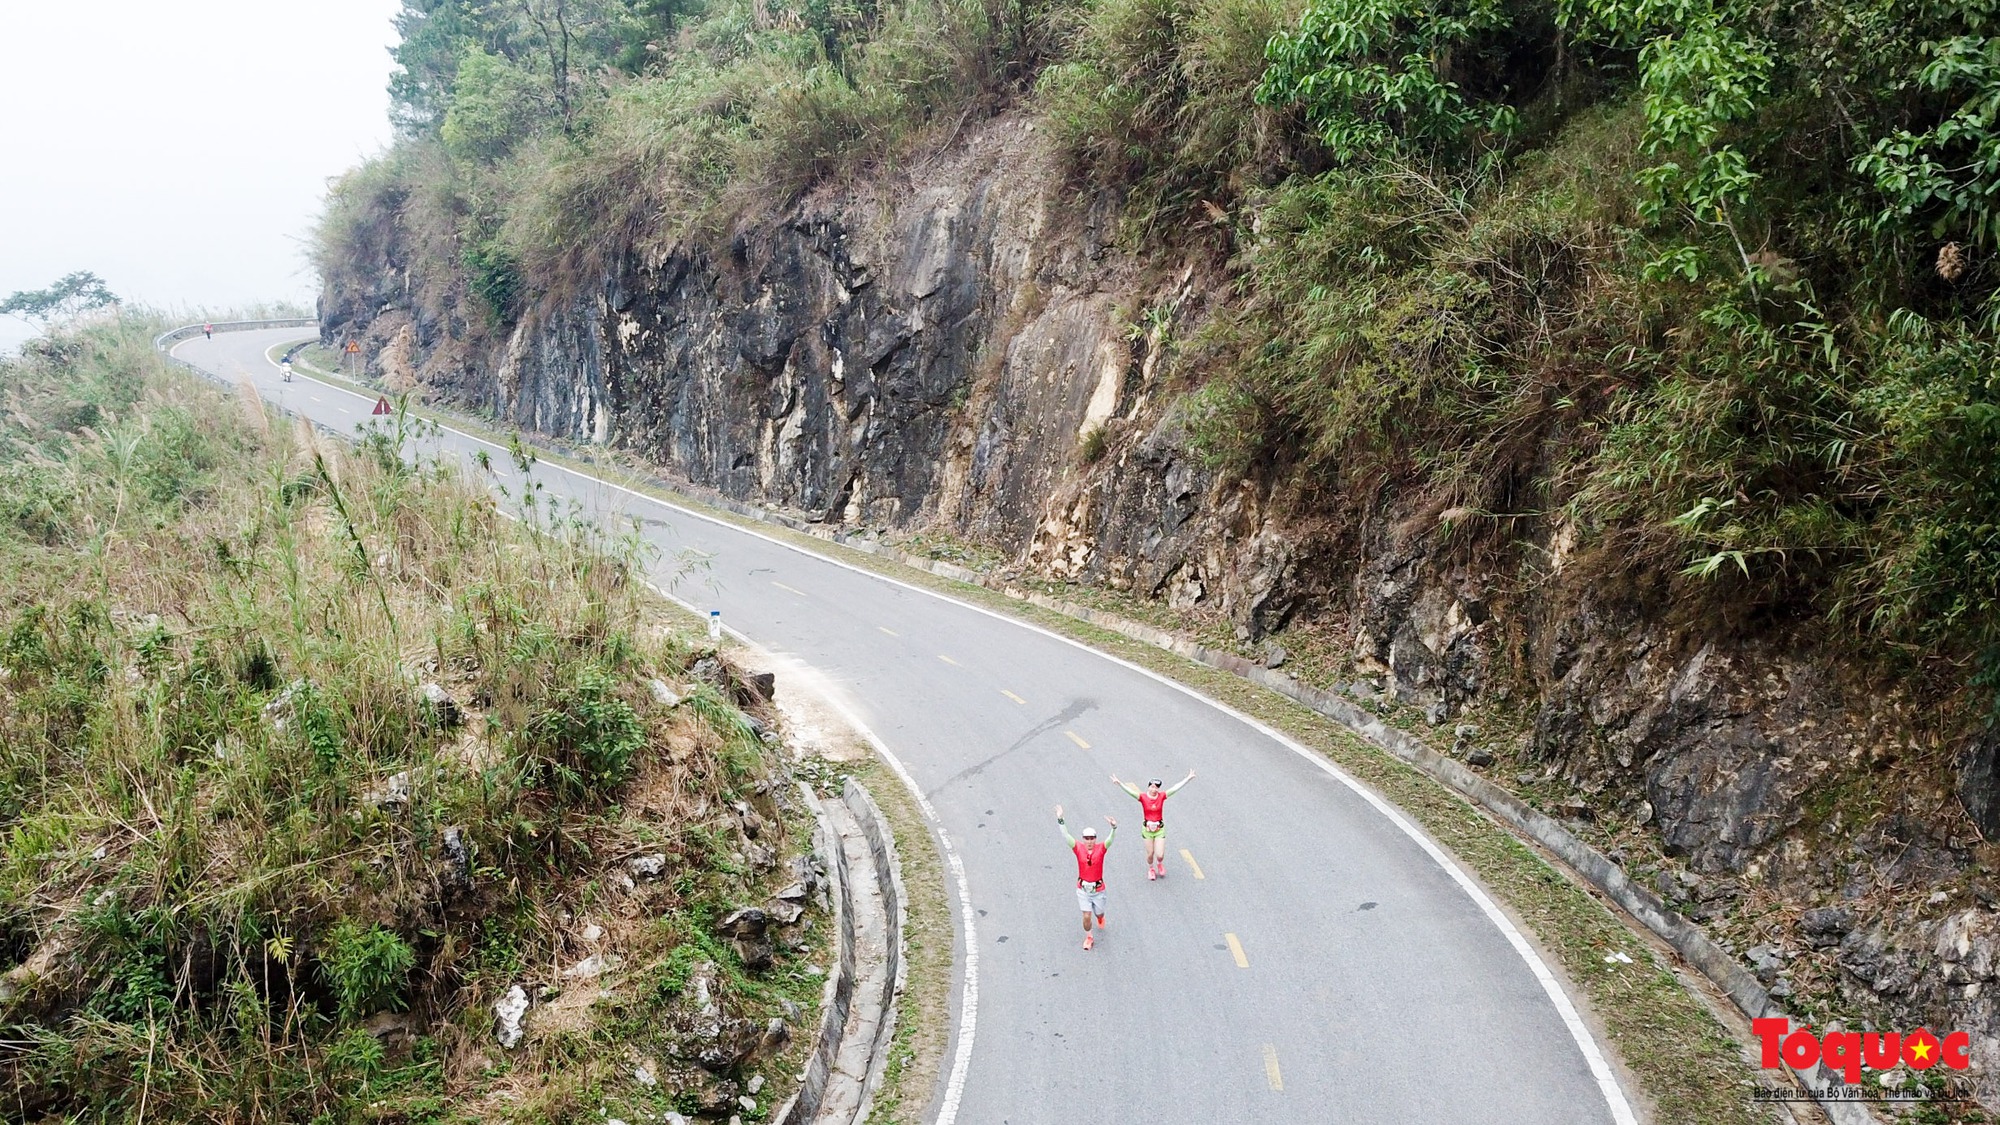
{"x": 1153, "y": 820}
{"x": 1089, "y": 871}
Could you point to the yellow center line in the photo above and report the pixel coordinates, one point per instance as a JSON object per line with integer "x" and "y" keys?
{"x": 950, "y": 661}
{"x": 1079, "y": 741}
{"x": 788, "y": 589}
{"x": 1271, "y": 1073}
{"x": 1012, "y": 696}
{"x": 1189, "y": 856}
{"x": 888, "y": 630}
{"x": 1236, "y": 951}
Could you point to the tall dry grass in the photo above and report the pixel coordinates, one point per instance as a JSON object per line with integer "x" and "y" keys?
{"x": 300, "y": 740}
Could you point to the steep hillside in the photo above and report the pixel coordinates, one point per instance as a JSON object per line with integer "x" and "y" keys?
{"x": 1608, "y": 385}
{"x": 330, "y": 795}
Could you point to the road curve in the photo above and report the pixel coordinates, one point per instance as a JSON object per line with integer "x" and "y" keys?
{"x": 1329, "y": 964}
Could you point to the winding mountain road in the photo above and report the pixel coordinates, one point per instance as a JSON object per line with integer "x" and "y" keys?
{"x": 1311, "y": 957}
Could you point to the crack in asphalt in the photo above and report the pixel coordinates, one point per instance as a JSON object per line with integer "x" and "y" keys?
{"x": 1070, "y": 712}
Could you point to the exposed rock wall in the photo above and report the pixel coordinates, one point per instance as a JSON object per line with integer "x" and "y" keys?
{"x": 953, "y": 346}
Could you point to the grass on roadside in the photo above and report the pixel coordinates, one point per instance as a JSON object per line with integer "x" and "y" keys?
{"x": 307, "y": 757}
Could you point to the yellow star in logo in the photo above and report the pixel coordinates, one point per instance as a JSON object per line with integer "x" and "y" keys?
{"x": 1922, "y": 1050}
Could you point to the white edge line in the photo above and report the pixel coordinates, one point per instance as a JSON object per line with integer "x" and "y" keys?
{"x": 1607, "y": 1082}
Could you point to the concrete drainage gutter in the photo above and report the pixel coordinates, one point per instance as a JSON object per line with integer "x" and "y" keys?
{"x": 839, "y": 990}
{"x": 858, "y": 1008}
{"x": 889, "y": 978}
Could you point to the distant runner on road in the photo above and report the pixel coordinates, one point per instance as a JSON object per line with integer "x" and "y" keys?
{"x": 1153, "y": 820}
{"x": 208, "y": 331}
{"x": 1089, "y": 871}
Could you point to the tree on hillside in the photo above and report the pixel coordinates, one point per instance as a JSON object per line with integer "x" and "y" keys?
{"x": 69, "y": 297}
{"x": 563, "y": 43}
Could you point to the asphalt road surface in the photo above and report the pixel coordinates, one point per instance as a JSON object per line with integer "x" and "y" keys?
{"x": 1309, "y": 958}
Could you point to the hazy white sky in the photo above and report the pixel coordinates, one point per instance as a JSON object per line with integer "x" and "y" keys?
{"x": 179, "y": 149}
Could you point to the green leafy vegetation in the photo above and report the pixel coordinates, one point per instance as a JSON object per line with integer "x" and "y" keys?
{"x": 541, "y": 139}
{"x": 71, "y": 295}
{"x": 1707, "y": 283}
{"x": 307, "y": 756}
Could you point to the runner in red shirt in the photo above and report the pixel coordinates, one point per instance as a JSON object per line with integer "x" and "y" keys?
{"x": 1089, "y": 872}
{"x": 1153, "y": 820}
{"x": 208, "y": 331}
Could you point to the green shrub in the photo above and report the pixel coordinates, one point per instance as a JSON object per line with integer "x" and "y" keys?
{"x": 1434, "y": 81}
{"x": 1224, "y": 425}
{"x": 740, "y": 747}
{"x": 1091, "y": 449}
{"x": 496, "y": 103}
{"x": 1158, "y": 96}
{"x": 39, "y": 501}
{"x": 367, "y": 969}
{"x": 583, "y": 740}
{"x": 133, "y": 986}
{"x": 494, "y": 274}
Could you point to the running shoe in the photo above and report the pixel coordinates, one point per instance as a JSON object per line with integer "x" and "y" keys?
{"x": 1088, "y": 941}
{"x": 1151, "y": 874}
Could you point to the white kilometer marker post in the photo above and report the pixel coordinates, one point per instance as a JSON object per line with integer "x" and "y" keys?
{"x": 714, "y": 624}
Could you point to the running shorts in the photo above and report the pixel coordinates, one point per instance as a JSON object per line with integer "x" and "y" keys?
{"x": 1091, "y": 900}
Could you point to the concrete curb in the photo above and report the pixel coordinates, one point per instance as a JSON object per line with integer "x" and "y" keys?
{"x": 839, "y": 990}
{"x": 166, "y": 340}
{"x": 809, "y": 1102}
{"x": 882, "y": 843}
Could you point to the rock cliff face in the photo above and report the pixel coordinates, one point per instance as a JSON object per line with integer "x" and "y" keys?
{"x": 958, "y": 347}
{"x": 951, "y": 347}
